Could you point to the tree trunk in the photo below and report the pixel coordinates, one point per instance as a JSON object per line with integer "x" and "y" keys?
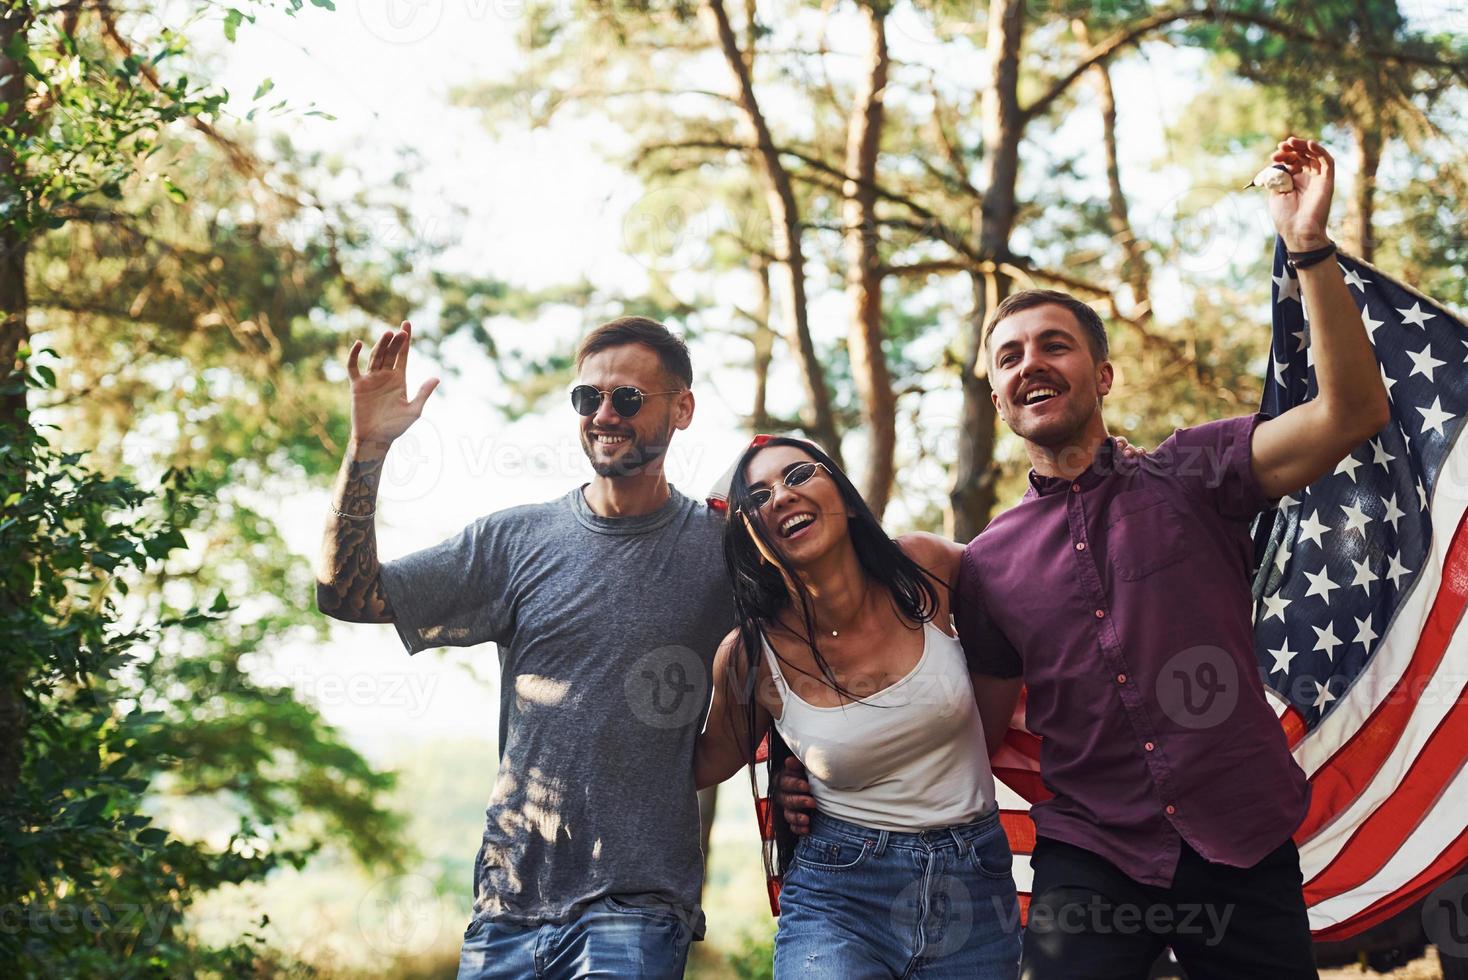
{"x": 1134, "y": 266}
{"x": 14, "y": 334}
{"x": 764, "y": 349}
{"x": 1360, "y": 241}
{"x": 708, "y": 802}
{"x": 971, "y": 500}
{"x": 864, "y": 268}
{"x": 785, "y": 215}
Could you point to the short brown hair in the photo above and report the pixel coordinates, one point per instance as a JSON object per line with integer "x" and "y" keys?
{"x": 1026, "y": 299}
{"x": 668, "y": 346}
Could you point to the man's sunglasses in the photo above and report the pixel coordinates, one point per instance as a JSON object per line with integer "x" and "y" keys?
{"x": 794, "y": 477}
{"x": 626, "y": 400}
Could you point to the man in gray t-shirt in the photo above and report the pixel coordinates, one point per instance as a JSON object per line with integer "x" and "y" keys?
{"x": 607, "y": 605}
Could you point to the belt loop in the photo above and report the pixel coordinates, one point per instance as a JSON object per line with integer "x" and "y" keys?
{"x": 963, "y": 845}
{"x": 882, "y": 836}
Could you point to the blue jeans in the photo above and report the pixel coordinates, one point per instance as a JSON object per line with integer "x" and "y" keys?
{"x": 608, "y": 939}
{"x": 860, "y": 903}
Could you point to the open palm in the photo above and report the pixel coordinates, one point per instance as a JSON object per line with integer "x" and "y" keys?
{"x": 381, "y": 410}
{"x": 1300, "y": 215}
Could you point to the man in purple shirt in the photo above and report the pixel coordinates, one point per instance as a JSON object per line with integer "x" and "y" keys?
{"x": 1117, "y": 592}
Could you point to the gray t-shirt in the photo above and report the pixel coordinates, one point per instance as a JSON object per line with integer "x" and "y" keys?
{"x": 606, "y": 629}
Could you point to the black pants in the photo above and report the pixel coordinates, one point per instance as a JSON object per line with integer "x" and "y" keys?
{"x": 1088, "y": 921}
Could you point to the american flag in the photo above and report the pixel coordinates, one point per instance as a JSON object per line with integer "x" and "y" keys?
{"x": 1361, "y": 588}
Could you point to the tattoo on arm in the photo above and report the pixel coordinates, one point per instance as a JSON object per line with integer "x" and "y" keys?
{"x": 349, "y": 586}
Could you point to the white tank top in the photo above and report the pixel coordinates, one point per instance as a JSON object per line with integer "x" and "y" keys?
{"x": 910, "y": 757}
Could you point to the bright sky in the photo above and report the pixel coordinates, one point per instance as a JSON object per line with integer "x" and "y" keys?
{"x": 543, "y": 207}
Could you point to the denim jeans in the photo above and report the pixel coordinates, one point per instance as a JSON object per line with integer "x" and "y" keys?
{"x": 608, "y": 939}
{"x": 859, "y": 903}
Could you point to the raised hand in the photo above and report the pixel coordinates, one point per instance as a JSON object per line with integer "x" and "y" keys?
{"x": 381, "y": 410}
{"x": 1300, "y": 215}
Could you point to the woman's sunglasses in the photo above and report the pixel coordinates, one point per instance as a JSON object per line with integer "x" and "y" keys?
{"x": 794, "y": 477}
{"x": 626, "y": 400}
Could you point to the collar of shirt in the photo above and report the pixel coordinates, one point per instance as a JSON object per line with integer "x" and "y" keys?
{"x": 1100, "y": 468}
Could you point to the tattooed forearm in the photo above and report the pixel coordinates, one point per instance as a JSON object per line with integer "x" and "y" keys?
{"x": 348, "y": 586}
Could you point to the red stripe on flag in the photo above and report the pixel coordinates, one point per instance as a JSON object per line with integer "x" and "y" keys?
{"x": 1294, "y": 726}
{"x": 1351, "y": 768}
{"x": 1382, "y": 834}
{"x": 1443, "y": 868}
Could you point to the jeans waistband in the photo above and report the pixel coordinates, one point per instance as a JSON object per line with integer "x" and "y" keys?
{"x": 957, "y": 835}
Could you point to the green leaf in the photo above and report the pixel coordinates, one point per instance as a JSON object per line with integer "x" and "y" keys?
{"x": 325, "y": 4}
{"x": 174, "y": 191}
{"x": 152, "y": 836}
{"x": 221, "y": 603}
{"x": 265, "y": 86}
{"x": 232, "y": 22}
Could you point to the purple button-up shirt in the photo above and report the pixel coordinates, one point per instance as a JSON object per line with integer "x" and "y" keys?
{"x": 1123, "y": 598}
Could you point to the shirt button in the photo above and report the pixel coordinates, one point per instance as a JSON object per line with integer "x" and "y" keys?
{"x": 1171, "y": 809}
{"x": 1100, "y": 613}
{"x": 1121, "y": 678}
{"x": 1075, "y": 488}
{"x": 1080, "y": 546}
{"x": 1149, "y": 746}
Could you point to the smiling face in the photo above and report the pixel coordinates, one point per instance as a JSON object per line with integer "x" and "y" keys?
{"x": 1047, "y": 382}
{"x": 618, "y": 446}
{"x": 804, "y": 521}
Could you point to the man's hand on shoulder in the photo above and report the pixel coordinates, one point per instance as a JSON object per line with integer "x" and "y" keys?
{"x": 792, "y": 796}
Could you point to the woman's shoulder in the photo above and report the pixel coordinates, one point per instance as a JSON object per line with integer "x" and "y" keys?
{"x": 937, "y": 554}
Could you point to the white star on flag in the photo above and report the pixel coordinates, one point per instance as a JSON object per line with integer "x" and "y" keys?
{"x": 1397, "y": 571}
{"x": 1423, "y": 362}
{"x": 1393, "y": 512}
{"x": 1354, "y": 279}
{"x": 1326, "y": 640}
{"x": 1415, "y": 316}
{"x": 1433, "y": 417}
{"x": 1282, "y": 557}
{"x": 1320, "y": 584}
{"x": 1379, "y": 454}
{"x": 1370, "y": 323}
{"x": 1302, "y": 340}
{"x": 1274, "y": 605}
{"x": 1323, "y": 696}
{"x": 1364, "y": 575}
{"x": 1387, "y": 380}
{"x": 1348, "y": 467}
{"x": 1311, "y": 529}
{"x": 1365, "y": 635}
{"x": 1421, "y": 494}
{"x": 1356, "y": 518}
{"x": 1289, "y": 288}
{"x": 1279, "y": 370}
{"x": 1282, "y": 657}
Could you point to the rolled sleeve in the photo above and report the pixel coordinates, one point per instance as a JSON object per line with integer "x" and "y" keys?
{"x": 988, "y": 650}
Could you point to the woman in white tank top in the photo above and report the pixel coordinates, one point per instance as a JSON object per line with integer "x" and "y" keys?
{"x": 844, "y": 656}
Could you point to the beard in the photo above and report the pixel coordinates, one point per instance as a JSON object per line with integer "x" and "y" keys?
{"x": 633, "y": 457}
{"x": 1062, "y": 430}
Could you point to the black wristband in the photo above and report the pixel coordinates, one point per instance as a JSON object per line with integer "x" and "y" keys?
{"x": 1304, "y": 260}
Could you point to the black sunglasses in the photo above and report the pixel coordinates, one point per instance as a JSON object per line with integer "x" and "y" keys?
{"x": 794, "y": 477}
{"x": 626, "y": 400}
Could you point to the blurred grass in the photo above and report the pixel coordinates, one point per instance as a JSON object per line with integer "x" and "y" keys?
{"x": 350, "y": 924}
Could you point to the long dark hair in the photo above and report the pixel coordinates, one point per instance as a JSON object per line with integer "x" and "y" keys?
{"x": 761, "y": 595}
